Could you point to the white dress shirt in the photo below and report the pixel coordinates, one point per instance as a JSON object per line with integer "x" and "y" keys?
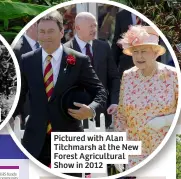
{"x": 31, "y": 42}
{"x": 133, "y": 18}
{"x": 82, "y": 45}
{"x": 57, "y": 58}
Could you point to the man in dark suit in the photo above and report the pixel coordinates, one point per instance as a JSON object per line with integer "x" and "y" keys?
{"x": 46, "y": 73}
{"x": 124, "y": 19}
{"x": 100, "y": 53}
{"x": 26, "y": 43}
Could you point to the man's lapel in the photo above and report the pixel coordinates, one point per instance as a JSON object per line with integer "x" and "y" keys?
{"x": 95, "y": 49}
{"x": 38, "y": 71}
{"x": 75, "y": 45}
{"x": 96, "y": 57}
{"x": 26, "y": 44}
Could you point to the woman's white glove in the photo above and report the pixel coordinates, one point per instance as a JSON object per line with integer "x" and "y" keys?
{"x": 160, "y": 122}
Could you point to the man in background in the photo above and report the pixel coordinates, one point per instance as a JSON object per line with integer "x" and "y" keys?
{"x": 100, "y": 54}
{"x": 124, "y": 19}
{"x": 26, "y": 43}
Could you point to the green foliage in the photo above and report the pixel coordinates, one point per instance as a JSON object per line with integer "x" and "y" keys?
{"x": 21, "y": 12}
{"x": 39, "y": 2}
{"x": 11, "y": 10}
{"x": 121, "y": 1}
{"x": 178, "y": 156}
{"x": 15, "y": 14}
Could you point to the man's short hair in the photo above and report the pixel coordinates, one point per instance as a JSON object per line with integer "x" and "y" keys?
{"x": 55, "y": 16}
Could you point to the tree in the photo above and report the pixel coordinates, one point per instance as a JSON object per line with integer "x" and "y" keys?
{"x": 7, "y": 79}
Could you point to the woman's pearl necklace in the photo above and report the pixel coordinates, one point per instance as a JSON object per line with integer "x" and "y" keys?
{"x": 145, "y": 78}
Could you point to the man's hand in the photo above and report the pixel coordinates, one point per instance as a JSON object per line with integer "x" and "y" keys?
{"x": 112, "y": 109}
{"x": 83, "y": 113}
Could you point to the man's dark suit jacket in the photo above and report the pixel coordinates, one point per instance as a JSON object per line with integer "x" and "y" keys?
{"x": 123, "y": 21}
{"x": 21, "y": 48}
{"x": 106, "y": 71}
{"x": 42, "y": 110}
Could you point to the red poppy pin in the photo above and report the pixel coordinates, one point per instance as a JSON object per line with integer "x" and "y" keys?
{"x": 71, "y": 60}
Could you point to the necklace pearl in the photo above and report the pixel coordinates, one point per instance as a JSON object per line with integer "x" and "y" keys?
{"x": 145, "y": 78}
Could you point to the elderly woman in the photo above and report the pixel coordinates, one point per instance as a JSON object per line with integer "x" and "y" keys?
{"x": 148, "y": 94}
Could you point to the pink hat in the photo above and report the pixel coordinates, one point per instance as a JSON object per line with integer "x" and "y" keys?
{"x": 138, "y": 36}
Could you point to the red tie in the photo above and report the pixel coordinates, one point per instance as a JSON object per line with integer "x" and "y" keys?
{"x": 138, "y": 20}
{"x": 48, "y": 81}
{"x": 88, "y": 52}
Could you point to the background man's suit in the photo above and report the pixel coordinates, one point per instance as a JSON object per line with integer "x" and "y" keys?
{"x": 123, "y": 21}
{"x": 106, "y": 71}
{"x": 21, "y": 48}
{"x": 43, "y": 110}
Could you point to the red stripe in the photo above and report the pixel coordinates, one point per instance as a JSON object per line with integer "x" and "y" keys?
{"x": 138, "y": 20}
{"x": 49, "y": 165}
{"x": 47, "y": 69}
{"x": 49, "y": 80}
{"x": 49, "y": 132}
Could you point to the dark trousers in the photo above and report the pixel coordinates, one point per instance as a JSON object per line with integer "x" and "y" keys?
{"x": 25, "y": 112}
{"x": 45, "y": 156}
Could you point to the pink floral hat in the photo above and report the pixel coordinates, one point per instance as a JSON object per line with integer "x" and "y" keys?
{"x": 138, "y": 36}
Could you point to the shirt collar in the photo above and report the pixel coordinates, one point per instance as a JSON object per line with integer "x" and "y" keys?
{"x": 81, "y": 43}
{"x": 30, "y": 40}
{"x": 56, "y": 55}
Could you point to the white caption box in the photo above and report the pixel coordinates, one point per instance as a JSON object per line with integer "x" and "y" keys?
{"x": 89, "y": 152}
